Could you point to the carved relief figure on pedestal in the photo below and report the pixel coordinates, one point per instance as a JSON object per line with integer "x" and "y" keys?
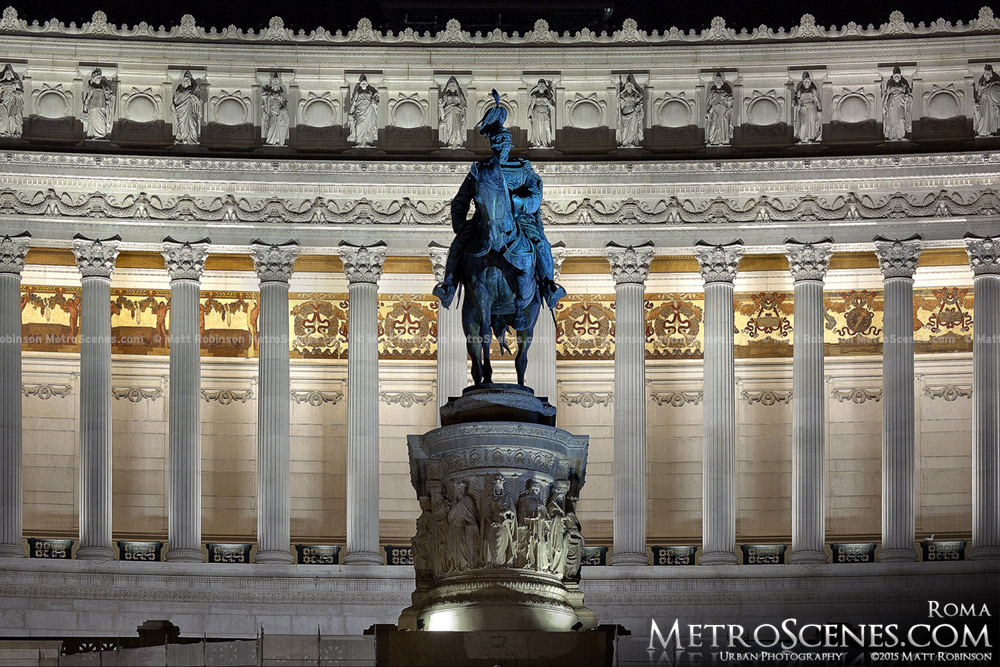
{"x": 499, "y": 538}
{"x": 719, "y": 114}
{"x": 986, "y": 95}
{"x": 274, "y": 119}
{"x": 451, "y": 115}
{"x": 630, "y": 113}
{"x": 11, "y": 103}
{"x": 897, "y": 107}
{"x": 541, "y": 111}
{"x": 186, "y": 110}
{"x": 441, "y": 560}
{"x": 463, "y": 529}
{"x": 808, "y": 105}
{"x": 532, "y": 528}
{"x": 98, "y": 106}
{"x": 422, "y": 542}
{"x": 558, "y": 527}
{"x": 362, "y": 119}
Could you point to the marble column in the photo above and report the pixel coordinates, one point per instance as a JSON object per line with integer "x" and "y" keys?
{"x": 96, "y": 261}
{"x": 13, "y": 250}
{"x": 808, "y": 263}
{"x": 363, "y": 267}
{"x": 630, "y": 268}
{"x": 898, "y": 262}
{"x": 718, "y": 265}
{"x": 541, "y": 371}
{"x": 452, "y": 355}
{"x": 984, "y": 257}
{"x": 185, "y": 263}
{"x": 274, "y": 264}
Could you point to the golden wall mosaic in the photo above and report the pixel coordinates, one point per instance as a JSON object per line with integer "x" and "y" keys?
{"x": 407, "y": 323}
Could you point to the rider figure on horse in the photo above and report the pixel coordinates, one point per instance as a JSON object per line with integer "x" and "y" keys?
{"x": 502, "y": 187}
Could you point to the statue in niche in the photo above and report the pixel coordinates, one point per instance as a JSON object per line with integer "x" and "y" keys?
{"x": 362, "y": 119}
{"x": 897, "y": 104}
{"x": 532, "y": 528}
{"x": 719, "y": 112}
{"x": 630, "y": 113}
{"x": 186, "y": 110}
{"x": 451, "y": 115}
{"x": 499, "y": 539}
{"x": 98, "y": 106}
{"x": 500, "y": 256}
{"x": 808, "y": 121}
{"x": 541, "y": 112}
{"x": 986, "y": 97}
{"x": 274, "y": 120}
{"x": 422, "y": 543}
{"x": 463, "y": 529}
{"x": 11, "y": 103}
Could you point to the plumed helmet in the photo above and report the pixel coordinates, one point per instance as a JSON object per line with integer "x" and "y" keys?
{"x": 494, "y": 117}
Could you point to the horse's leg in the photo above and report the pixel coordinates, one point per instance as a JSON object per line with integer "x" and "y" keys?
{"x": 524, "y": 337}
{"x": 471, "y": 326}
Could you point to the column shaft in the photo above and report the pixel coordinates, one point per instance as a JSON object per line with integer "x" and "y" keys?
{"x": 10, "y": 417}
{"x": 452, "y": 369}
{"x": 541, "y": 372}
{"x": 986, "y": 419}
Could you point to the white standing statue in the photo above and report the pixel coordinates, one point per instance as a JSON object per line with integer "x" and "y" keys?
{"x": 451, "y": 115}
{"x": 274, "y": 119}
{"x": 630, "y": 113}
{"x": 186, "y": 109}
{"x": 98, "y": 106}
{"x": 808, "y": 110}
{"x": 897, "y": 106}
{"x": 986, "y": 94}
{"x": 11, "y": 103}
{"x": 719, "y": 113}
{"x": 362, "y": 120}
{"x": 541, "y": 109}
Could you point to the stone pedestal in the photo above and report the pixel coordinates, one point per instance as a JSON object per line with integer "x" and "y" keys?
{"x": 498, "y": 545}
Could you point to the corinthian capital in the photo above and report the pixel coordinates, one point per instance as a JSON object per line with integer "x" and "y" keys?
{"x": 719, "y": 263}
{"x": 630, "y": 264}
{"x": 96, "y": 257}
{"x": 808, "y": 261}
{"x": 439, "y": 259}
{"x": 185, "y": 261}
{"x": 272, "y": 262}
{"x": 984, "y": 253}
{"x": 13, "y": 250}
{"x": 558, "y": 255}
{"x": 897, "y": 258}
{"x": 363, "y": 263}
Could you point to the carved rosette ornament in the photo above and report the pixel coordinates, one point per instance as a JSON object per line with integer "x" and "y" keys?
{"x": 363, "y": 263}
{"x": 185, "y": 261}
{"x": 897, "y": 259}
{"x": 630, "y": 264}
{"x": 809, "y": 261}
{"x": 274, "y": 263}
{"x": 13, "y": 250}
{"x": 96, "y": 257}
{"x": 719, "y": 263}
{"x": 984, "y": 254}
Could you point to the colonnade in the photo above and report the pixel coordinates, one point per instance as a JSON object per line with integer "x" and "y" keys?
{"x": 629, "y": 266}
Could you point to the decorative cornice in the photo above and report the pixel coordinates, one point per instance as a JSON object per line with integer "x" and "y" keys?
{"x": 405, "y": 399}
{"x": 984, "y": 254}
{"x": 439, "y": 259}
{"x": 719, "y": 263}
{"x": 630, "y": 264}
{"x": 949, "y": 392}
{"x": 677, "y": 399}
{"x": 317, "y": 398}
{"x": 767, "y": 397}
{"x": 363, "y": 263}
{"x": 858, "y": 395}
{"x": 227, "y": 396}
{"x": 95, "y": 257}
{"x": 897, "y": 259}
{"x": 809, "y": 261}
{"x": 541, "y": 35}
{"x": 136, "y": 394}
{"x": 47, "y": 391}
{"x": 13, "y": 250}
{"x": 586, "y": 399}
{"x": 185, "y": 260}
{"x": 274, "y": 263}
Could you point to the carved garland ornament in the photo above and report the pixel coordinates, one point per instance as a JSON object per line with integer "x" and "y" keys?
{"x": 136, "y": 394}
{"x": 47, "y": 391}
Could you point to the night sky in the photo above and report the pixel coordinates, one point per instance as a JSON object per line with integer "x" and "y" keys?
{"x": 340, "y": 14}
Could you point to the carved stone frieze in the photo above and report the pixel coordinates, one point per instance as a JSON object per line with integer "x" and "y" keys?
{"x": 95, "y": 257}
{"x": 317, "y": 398}
{"x": 809, "y": 261}
{"x": 184, "y": 260}
{"x": 274, "y": 263}
{"x": 13, "y": 251}
{"x": 984, "y": 254}
{"x": 949, "y": 392}
{"x": 226, "y": 396}
{"x": 630, "y": 264}
{"x": 677, "y": 399}
{"x": 897, "y": 259}
{"x": 47, "y": 391}
{"x": 719, "y": 263}
{"x": 858, "y": 396}
{"x": 136, "y": 394}
{"x": 767, "y": 397}
{"x": 363, "y": 263}
{"x": 406, "y": 399}
{"x": 586, "y": 399}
